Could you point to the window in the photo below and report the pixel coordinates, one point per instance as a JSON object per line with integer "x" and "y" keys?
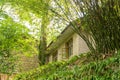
{"x": 47, "y": 58}
{"x": 55, "y": 56}
{"x": 64, "y": 53}
{"x": 69, "y": 48}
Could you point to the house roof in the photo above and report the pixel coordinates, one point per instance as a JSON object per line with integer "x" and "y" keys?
{"x": 65, "y": 34}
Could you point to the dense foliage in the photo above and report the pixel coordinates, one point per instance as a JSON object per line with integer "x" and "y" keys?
{"x": 82, "y": 67}
{"x": 12, "y": 36}
{"x": 98, "y": 20}
{"x": 102, "y": 20}
{"x": 37, "y": 13}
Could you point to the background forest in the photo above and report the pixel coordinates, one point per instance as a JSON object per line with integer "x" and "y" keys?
{"x": 27, "y": 27}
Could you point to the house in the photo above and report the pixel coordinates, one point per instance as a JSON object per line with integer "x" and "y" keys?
{"x": 67, "y": 45}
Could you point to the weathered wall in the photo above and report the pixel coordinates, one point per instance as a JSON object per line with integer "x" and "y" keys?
{"x": 83, "y": 48}
{"x": 75, "y": 44}
{"x": 27, "y": 63}
{"x": 61, "y": 51}
{"x": 50, "y": 58}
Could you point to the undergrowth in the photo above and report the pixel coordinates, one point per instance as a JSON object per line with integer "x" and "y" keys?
{"x": 82, "y": 67}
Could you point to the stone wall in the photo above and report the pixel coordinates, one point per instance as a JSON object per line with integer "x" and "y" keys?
{"x": 27, "y": 63}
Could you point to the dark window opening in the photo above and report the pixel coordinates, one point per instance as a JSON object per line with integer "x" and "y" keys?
{"x": 55, "y": 56}
{"x": 47, "y": 58}
{"x": 69, "y": 47}
{"x": 68, "y": 50}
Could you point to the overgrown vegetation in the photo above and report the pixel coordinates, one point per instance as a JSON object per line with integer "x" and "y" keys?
{"x": 14, "y": 40}
{"x": 83, "y": 67}
{"x": 97, "y": 22}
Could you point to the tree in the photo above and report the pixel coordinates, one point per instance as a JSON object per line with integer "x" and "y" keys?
{"x": 11, "y": 36}
{"x": 41, "y": 10}
{"x": 99, "y": 22}
{"x": 44, "y": 24}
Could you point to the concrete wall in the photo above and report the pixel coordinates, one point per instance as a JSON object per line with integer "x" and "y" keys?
{"x": 83, "y": 48}
{"x": 50, "y": 58}
{"x": 61, "y": 51}
{"x": 75, "y": 44}
{"x": 79, "y": 45}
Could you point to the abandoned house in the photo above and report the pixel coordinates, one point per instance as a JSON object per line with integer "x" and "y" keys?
{"x": 67, "y": 45}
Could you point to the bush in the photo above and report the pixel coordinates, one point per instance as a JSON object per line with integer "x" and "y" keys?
{"x": 107, "y": 69}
